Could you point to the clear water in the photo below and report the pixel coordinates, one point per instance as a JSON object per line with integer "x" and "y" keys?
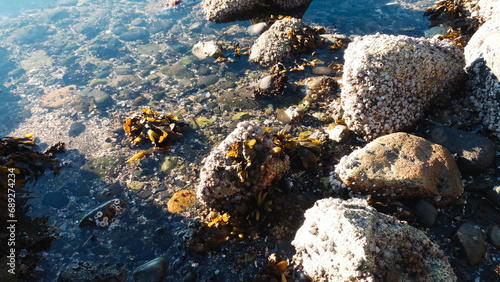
{"x": 46, "y": 45}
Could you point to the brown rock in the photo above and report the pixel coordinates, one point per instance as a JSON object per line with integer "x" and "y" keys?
{"x": 472, "y": 241}
{"x": 402, "y": 165}
{"x": 58, "y": 98}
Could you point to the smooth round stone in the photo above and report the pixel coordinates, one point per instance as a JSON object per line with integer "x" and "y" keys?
{"x": 257, "y": 29}
{"x": 266, "y": 83}
{"x": 154, "y": 271}
{"x": 323, "y": 71}
{"x": 472, "y": 242}
{"x": 138, "y": 22}
{"x": 425, "y": 212}
{"x": 76, "y": 129}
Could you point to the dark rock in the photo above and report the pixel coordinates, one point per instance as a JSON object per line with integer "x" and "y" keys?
{"x": 494, "y": 236}
{"x": 472, "y": 242}
{"x": 55, "y": 199}
{"x": 494, "y": 195}
{"x": 103, "y": 215}
{"x": 90, "y": 271}
{"x": 135, "y": 34}
{"x": 76, "y": 129}
{"x": 425, "y": 212}
{"x": 401, "y": 165}
{"x": 153, "y": 271}
{"x": 482, "y": 186}
{"x": 475, "y": 153}
{"x": 190, "y": 277}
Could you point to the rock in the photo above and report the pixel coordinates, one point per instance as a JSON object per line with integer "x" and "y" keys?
{"x": 494, "y": 196}
{"x": 136, "y": 186}
{"x": 76, "y": 129}
{"x": 475, "y": 153}
{"x": 294, "y": 113}
{"x": 154, "y": 271}
{"x": 220, "y": 11}
{"x": 138, "y": 22}
{"x": 426, "y": 213}
{"x": 203, "y": 50}
{"x": 472, "y": 242}
{"x": 135, "y": 34}
{"x": 58, "y": 98}
{"x": 350, "y": 241}
{"x": 103, "y": 215}
{"x": 435, "y": 31}
{"x": 90, "y": 271}
{"x": 256, "y": 29}
{"x": 402, "y": 165}
{"x": 190, "y": 277}
{"x": 240, "y": 167}
{"x": 240, "y": 116}
{"x": 323, "y": 71}
{"x": 101, "y": 98}
{"x": 274, "y": 44}
{"x": 340, "y": 133}
{"x": 494, "y": 236}
{"x": 389, "y": 81}
{"x": 38, "y": 60}
{"x": 488, "y": 10}
{"x": 266, "y": 83}
{"x": 112, "y": 191}
{"x": 30, "y": 35}
{"x": 209, "y": 80}
{"x": 55, "y": 199}
{"x": 482, "y": 56}
{"x": 319, "y": 87}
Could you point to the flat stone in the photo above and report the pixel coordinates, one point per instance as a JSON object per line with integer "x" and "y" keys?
{"x": 135, "y": 34}
{"x": 401, "y": 165}
{"x": 76, "y": 129}
{"x": 475, "y": 153}
{"x": 472, "y": 242}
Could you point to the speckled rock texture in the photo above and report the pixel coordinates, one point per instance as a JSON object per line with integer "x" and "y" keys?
{"x": 350, "y": 241}
{"x": 482, "y": 56}
{"x": 389, "y": 81}
{"x": 401, "y": 165}
{"x": 273, "y": 45}
{"x": 472, "y": 241}
{"x": 220, "y": 186}
{"x": 474, "y": 152}
{"x": 488, "y": 9}
{"x": 220, "y": 11}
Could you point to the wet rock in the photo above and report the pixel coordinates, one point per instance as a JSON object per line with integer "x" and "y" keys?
{"x": 389, "y": 81}
{"x": 112, "y": 191}
{"x": 203, "y": 50}
{"x": 154, "y": 271}
{"x": 483, "y": 70}
{"x": 209, "y": 80}
{"x": 58, "y": 98}
{"x": 38, "y": 60}
{"x": 494, "y": 195}
{"x": 190, "y": 277}
{"x": 151, "y": 49}
{"x": 55, "y": 199}
{"x": 240, "y": 167}
{"x": 472, "y": 242}
{"x": 323, "y": 71}
{"x": 90, "y": 271}
{"x": 101, "y": 98}
{"x": 426, "y": 213}
{"x": 340, "y": 133}
{"x": 482, "y": 186}
{"x": 220, "y": 11}
{"x": 435, "y": 31}
{"x": 274, "y": 44}
{"x": 135, "y": 34}
{"x": 123, "y": 80}
{"x": 103, "y": 215}
{"x": 136, "y": 186}
{"x": 169, "y": 163}
{"x": 349, "y": 240}
{"x": 138, "y": 22}
{"x": 402, "y": 165}
{"x": 177, "y": 70}
{"x": 104, "y": 166}
{"x": 240, "y": 116}
{"x": 76, "y": 129}
{"x": 494, "y": 236}
{"x": 30, "y": 35}
{"x": 257, "y": 29}
{"x": 319, "y": 87}
{"x": 266, "y": 83}
{"x": 475, "y": 153}
{"x": 294, "y": 113}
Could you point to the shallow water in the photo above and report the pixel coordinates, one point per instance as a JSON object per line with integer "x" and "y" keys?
{"x": 49, "y": 45}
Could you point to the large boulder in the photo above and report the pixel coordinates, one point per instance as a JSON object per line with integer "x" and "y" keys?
{"x": 241, "y": 166}
{"x": 401, "y": 165}
{"x": 483, "y": 70}
{"x": 350, "y": 241}
{"x": 389, "y": 81}
{"x": 220, "y": 11}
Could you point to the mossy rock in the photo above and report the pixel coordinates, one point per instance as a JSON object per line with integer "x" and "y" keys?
{"x": 169, "y": 163}
{"x": 38, "y": 60}
{"x": 241, "y": 116}
{"x": 136, "y": 186}
{"x": 151, "y": 49}
{"x": 104, "y": 166}
{"x": 202, "y": 121}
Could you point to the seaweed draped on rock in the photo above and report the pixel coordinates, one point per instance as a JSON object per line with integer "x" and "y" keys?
{"x": 350, "y": 241}
{"x": 389, "y": 81}
{"x": 240, "y": 167}
{"x": 220, "y": 11}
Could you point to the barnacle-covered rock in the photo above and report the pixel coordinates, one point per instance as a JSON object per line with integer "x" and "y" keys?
{"x": 103, "y": 215}
{"x": 389, "y": 81}
{"x": 220, "y": 11}
{"x": 281, "y": 39}
{"x": 482, "y": 56}
{"x": 246, "y": 162}
{"x": 350, "y": 241}
{"x": 401, "y": 165}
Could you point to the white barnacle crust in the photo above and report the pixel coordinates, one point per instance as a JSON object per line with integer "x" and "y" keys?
{"x": 389, "y": 81}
